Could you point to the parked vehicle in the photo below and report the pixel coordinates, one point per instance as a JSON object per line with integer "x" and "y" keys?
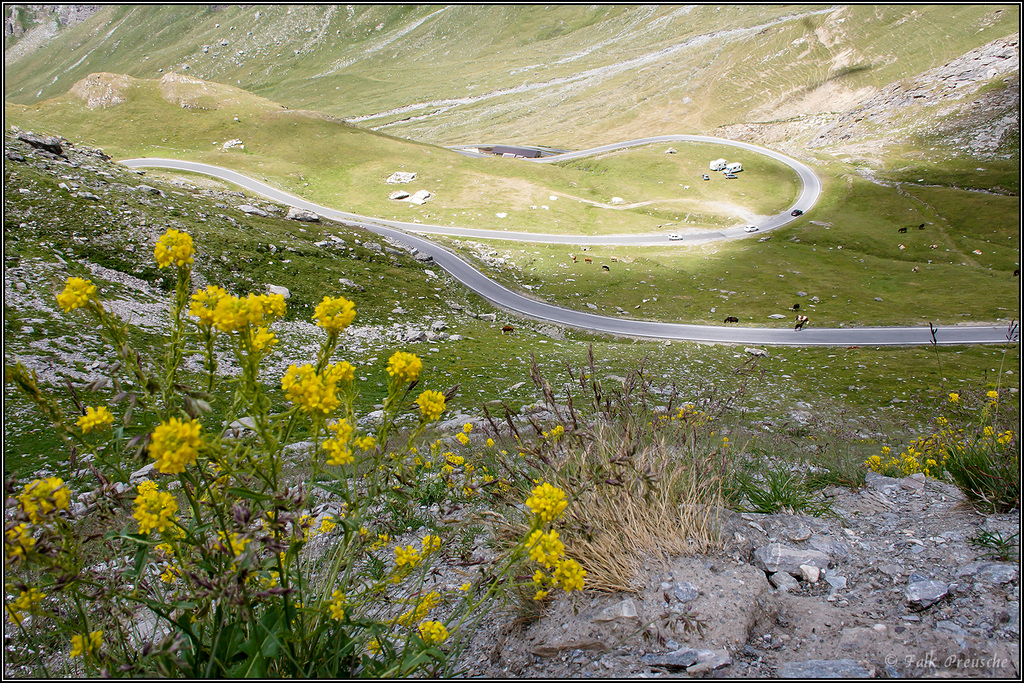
{"x": 731, "y": 176}
{"x": 706, "y": 177}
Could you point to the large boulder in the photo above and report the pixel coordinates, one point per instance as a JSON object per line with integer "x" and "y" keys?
{"x": 400, "y": 177}
{"x": 47, "y": 143}
{"x": 297, "y": 214}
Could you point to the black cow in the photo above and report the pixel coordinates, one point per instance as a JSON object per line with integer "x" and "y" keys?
{"x": 921, "y": 227}
{"x": 796, "y": 307}
{"x": 605, "y": 266}
{"x": 731, "y": 319}
{"x": 902, "y": 230}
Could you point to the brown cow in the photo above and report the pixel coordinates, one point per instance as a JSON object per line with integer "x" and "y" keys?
{"x": 573, "y": 257}
{"x": 801, "y": 320}
{"x": 507, "y": 329}
{"x": 588, "y": 260}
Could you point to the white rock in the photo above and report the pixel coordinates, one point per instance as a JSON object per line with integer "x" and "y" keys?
{"x": 400, "y": 177}
{"x": 277, "y": 289}
{"x": 810, "y": 573}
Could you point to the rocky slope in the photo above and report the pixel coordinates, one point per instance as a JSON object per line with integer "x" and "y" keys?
{"x": 888, "y": 588}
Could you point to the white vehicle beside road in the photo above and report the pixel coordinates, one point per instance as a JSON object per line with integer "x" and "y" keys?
{"x": 750, "y": 228}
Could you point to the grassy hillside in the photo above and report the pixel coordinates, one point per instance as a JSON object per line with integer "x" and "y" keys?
{"x": 343, "y": 166}
{"x": 563, "y": 75}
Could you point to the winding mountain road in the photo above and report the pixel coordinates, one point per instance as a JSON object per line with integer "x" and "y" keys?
{"x": 505, "y": 298}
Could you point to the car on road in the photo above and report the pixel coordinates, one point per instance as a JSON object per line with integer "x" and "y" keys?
{"x": 675, "y": 236}
{"x": 750, "y": 228}
{"x": 731, "y": 176}
{"x": 796, "y": 212}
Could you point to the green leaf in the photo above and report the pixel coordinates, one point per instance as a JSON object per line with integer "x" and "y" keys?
{"x": 251, "y": 495}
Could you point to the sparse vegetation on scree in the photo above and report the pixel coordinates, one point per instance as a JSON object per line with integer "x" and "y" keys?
{"x": 240, "y": 444}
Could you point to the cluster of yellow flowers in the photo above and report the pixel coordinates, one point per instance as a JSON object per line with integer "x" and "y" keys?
{"x": 546, "y": 548}
{"x": 334, "y": 314}
{"x": 26, "y": 601}
{"x": 18, "y": 543}
{"x": 77, "y": 293}
{"x": 555, "y": 434}
{"x": 82, "y": 646}
{"x": 404, "y": 367}
{"x": 431, "y": 405}
{"x": 336, "y": 607}
{"x": 419, "y": 612}
{"x": 433, "y": 632}
{"x": 175, "y": 444}
{"x": 235, "y": 314}
{"x": 691, "y": 416}
{"x": 174, "y": 248}
{"x": 154, "y": 509}
{"x": 42, "y": 497}
{"x": 547, "y": 501}
{"x": 316, "y": 392}
{"x": 337, "y": 447}
{"x": 95, "y": 418}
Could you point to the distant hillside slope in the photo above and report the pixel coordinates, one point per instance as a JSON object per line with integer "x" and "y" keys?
{"x": 563, "y": 74}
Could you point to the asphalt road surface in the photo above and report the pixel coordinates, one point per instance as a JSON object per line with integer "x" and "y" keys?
{"x": 515, "y": 302}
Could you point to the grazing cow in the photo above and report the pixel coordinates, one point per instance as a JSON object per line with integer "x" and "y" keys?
{"x": 902, "y": 247}
{"x": 507, "y": 329}
{"x": 615, "y": 259}
{"x": 902, "y": 230}
{"x": 573, "y": 256}
{"x": 1016, "y": 272}
{"x": 801, "y": 320}
{"x": 921, "y": 227}
{"x": 605, "y": 266}
{"x": 588, "y": 260}
{"x": 914, "y": 269}
{"x": 731, "y": 319}
{"x": 796, "y": 307}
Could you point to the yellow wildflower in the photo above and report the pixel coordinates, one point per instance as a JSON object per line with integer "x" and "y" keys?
{"x": 43, "y": 496}
{"x": 953, "y": 397}
{"x": 334, "y": 314}
{"x": 82, "y": 646}
{"x": 545, "y": 548}
{"x": 337, "y": 605}
{"x": 77, "y": 293}
{"x": 406, "y": 556}
{"x": 992, "y": 395}
{"x": 431, "y": 405}
{"x": 263, "y": 339}
{"x": 463, "y": 439}
{"x": 337, "y": 447}
{"x": 404, "y": 367}
{"x": 431, "y": 544}
{"x": 175, "y": 444}
{"x": 18, "y": 543}
{"x": 433, "y": 632}
{"x": 547, "y": 501}
{"x": 27, "y": 601}
{"x": 95, "y": 418}
{"x": 204, "y": 303}
{"x": 173, "y": 248}
{"x": 310, "y": 391}
{"x": 154, "y": 509}
{"x": 467, "y": 428}
{"x": 569, "y": 575}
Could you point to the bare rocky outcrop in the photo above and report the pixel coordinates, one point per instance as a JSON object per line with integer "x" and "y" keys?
{"x": 102, "y": 90}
